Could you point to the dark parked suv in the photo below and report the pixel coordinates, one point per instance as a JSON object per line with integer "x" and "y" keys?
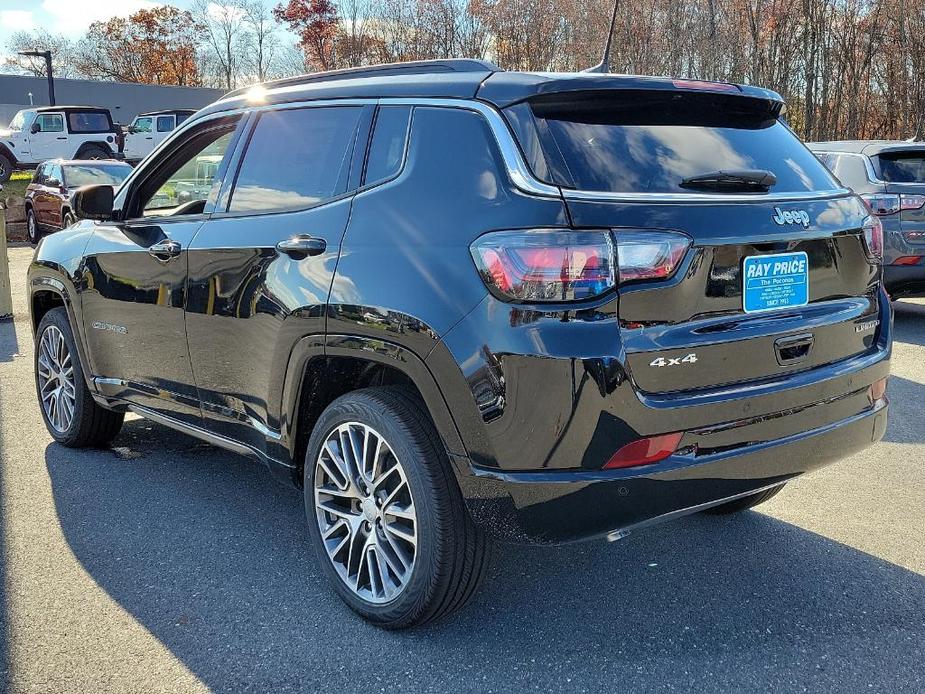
{"x": 890, "y": 176}
{"x": 451, "y": 301}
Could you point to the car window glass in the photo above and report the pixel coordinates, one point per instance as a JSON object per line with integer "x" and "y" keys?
{"x": 182, "y": 117}
{"x": 903, "y": 167}
{"x": 143, "y": 125}
{"x": 296, "y": 158}
{"x": 188, "y": 176}
{"x": 39, "y": 177}
{"x": 164, "y": 124}
{"x": 54, "y": 175}
{"x": 88, "y": 122}
{"x": 387, "y": 148}
{"x": 95, "y": 174}
{"x": 51, "y": 122}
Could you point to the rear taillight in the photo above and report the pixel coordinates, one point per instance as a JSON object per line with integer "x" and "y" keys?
{"x": 645, "y": 451}
{"x": 907, "y": 260}
{"x": 873, "y": 238}
{"x": 546, "y": 264}
{"x": 649, "y": 255}
{"x": 885, "y": 204}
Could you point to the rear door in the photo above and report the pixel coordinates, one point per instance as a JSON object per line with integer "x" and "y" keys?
{"x": 260, "y": 269}
{"x": 772, "y": 280}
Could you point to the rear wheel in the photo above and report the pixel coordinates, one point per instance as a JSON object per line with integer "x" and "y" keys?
{"x": 93, "y": 152}
{"x": 72, "y": 416}
{"x": 744, "y": 503}
{"x": 68, "y": 219}
{"x": 386, "y": 517}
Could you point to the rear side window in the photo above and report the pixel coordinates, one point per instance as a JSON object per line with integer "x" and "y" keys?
{"x": 387, "y": 149}
{"x": 649, "y": 141}
{"x": 89, "y": 122}
{"x": 902, "y": 167}
{"x": 296, "y": 158}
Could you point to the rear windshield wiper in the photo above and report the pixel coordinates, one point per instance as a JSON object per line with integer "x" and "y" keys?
{"x": 733, "y": 179}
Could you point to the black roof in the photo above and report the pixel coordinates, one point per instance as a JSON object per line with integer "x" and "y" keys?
{"x": 168, "y": 112}
{"x": 41, "y": 109}
{"x": 868, "y": 147}
{"x": 458, "y": 79}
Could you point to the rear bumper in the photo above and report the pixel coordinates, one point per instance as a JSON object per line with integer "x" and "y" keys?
{"x": 904, "y": 280}
{"x": 557, "y": 507}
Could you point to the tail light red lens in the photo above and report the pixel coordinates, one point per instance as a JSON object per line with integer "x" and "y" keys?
{"x": 907, "y": 260}
{"x": 645, "y": 451}
{"x": 545, "y": 264}
{"x": 649, "y": 255}
{"x": 873, "y": 237}
{"x": 885, "y": 204}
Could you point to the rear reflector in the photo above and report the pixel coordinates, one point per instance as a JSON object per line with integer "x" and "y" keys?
{"x": 645, "y": 451}
{"x": 907, "y": 260}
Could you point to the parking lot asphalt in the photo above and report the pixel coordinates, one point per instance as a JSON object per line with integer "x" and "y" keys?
{"x": 165, "y": 564}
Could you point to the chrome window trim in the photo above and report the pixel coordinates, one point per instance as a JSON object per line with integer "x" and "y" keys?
{"x": 520, "y": 174}
{"x": 868, "y": 165}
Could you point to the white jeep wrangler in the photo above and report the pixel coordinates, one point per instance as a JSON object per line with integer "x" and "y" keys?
{"x": 51, "y": 132}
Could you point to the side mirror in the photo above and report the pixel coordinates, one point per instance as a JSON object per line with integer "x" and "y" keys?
{"x": 36, "y": 128}
{"x": 94, "y": 202}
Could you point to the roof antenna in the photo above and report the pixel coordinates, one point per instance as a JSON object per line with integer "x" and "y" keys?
{"x": 604, "y": 65}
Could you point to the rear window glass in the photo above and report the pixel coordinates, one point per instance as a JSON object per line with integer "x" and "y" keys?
{"x": 649, "y": 142}
{"x": 903, "y": 167}
{"x": 387, "y": 148}
{"x": 89, "y": 122}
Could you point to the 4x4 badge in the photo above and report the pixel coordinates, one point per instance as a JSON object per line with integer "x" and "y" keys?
{"x": 791, "y": 217}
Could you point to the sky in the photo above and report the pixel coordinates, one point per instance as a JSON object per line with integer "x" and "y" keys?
{"x": 68, "y": 17}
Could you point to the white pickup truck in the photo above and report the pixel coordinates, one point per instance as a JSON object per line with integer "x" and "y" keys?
{"x": 148, "y": 130}
{"x": 58, "y": 132}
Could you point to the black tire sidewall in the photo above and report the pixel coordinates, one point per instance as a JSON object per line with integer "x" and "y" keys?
{"x": 32, "y": 223}
{"x": 82, "y": 398}
{"x": 6, "y": 169}
{"x": 90, "y": 151}
{"x": 363, "y": 406}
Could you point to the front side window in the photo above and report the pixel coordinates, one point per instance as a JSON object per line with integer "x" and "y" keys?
{"x": 89, "y": 122}
{"x": 39, "y": 176}
{"x": 188, "y": 176}
{"x": 296, "y": 158}
{"x": 142, "y": 125}
{"x": 51, "y": 122}
{"x": 164, "y": 124}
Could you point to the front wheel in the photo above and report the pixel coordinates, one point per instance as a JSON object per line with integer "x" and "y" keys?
{"x": 72, "y": 416}
{"x": 385, "y": 514}
{"x": 32, "y": 227}
{"x": 68, "y": 219}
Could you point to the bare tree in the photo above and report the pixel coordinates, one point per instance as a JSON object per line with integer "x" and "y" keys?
{"x": 225, "y": 28}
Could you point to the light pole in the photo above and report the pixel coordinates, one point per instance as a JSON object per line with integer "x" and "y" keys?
{"x": 51, "y": 80}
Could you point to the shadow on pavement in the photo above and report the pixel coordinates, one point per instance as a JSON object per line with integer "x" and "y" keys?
{"x": 905, "y": 423}
{"x": 209, "y": 554}
{"x": 909, "y": 322}
{"x": 8, "y": 342}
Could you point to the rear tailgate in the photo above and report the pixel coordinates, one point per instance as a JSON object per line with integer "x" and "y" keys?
{"x": 692, "y": 331}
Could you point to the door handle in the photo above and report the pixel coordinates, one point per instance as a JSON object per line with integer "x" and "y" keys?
{"x": 165, "y": 250}
{"x": 302, "y": 245}
{"x": 62, "y": 138}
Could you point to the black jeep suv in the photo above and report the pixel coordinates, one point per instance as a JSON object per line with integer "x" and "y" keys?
{"x": 451, "y": 301}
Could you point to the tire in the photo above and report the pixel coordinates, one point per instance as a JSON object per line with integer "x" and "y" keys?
{"x": 67, "y": 219}
{"x": 6, "y": 168}
{"x": 56, "y": 364}
{"x": 744, "y": 503}
{"x": 402, "y": 584}
{"x": 93, "y": 152}
{"x": 32, "y": 227}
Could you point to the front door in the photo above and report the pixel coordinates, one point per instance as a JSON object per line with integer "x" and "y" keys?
{"x": 50, "y": 140}
{"x": 261, "y": 268}
{"x": 134, "y": 288}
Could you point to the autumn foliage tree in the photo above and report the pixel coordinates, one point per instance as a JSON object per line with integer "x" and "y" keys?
{"x": 156, "y": 46}
{"x": 317, "y": 24}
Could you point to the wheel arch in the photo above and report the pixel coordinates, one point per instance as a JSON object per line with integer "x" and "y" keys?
{"x": 47, "y": 293}
{"x": 102, "y": 144}
{"x": 322, "y": 369}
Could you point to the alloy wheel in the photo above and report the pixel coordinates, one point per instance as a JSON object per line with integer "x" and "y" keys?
{"x": 56, "y": 379}
{"x": 365, "y": 512}
{"x": 31, "y": 227}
